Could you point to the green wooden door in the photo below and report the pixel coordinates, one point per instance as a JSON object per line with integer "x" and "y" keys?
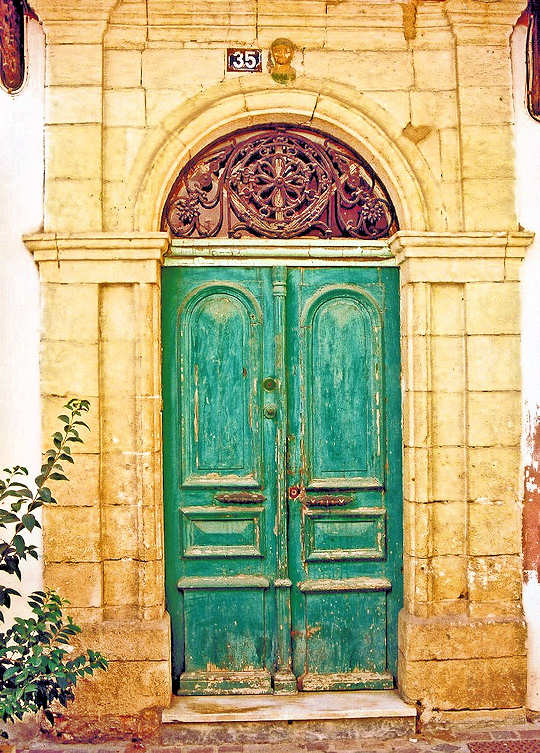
{"x": 282, "y": 454}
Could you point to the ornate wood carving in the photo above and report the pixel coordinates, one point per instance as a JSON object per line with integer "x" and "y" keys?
{"x": 12, "y": 44}
{"x": 278, "y": 181}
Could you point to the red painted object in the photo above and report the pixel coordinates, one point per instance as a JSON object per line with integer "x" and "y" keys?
{"x": 506, "y": 746}
{"x": 12, "y": 44}
{"x": 279, "y": 181}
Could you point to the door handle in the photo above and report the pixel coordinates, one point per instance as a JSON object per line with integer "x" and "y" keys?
{"x": 240, "y": 498}
{"x": 321, "y": 500}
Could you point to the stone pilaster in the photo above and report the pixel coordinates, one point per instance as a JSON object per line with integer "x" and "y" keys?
{"x": 103, "y": 546}
{"x": 461, "y": 642}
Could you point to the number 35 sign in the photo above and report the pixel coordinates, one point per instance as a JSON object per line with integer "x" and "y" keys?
{"x": 242, "y": 59}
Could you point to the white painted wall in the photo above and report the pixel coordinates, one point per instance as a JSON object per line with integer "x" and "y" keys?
{"x": 21, "y": 211}
{"x": 528, "y": 207}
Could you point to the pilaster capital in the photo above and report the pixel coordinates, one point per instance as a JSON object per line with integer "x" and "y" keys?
{"x": 483, "y": 23}
{"x": 98, "y": 257}
{"x": 460, "y": 257}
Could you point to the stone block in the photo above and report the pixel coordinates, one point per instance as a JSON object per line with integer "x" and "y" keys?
{"x": 120, "y": 531}
{"x": 447, "y": 363}
{"x": 73, "y": 104}
{"x": 493, "y": 362}
{"x": 484, "y": 65}
{"x": 448, "y": 529}
{"x": 164, "y": 68}
{"x": 436, "y": 109}
{"x": 80, "y": 582}
{"x": 465, "y": 684}
{"x": 127, "y": 687}
{"x": 396, "y": 103}
{"x": 494, "y": 527}
{"x": 416, "y": 365}
{"x": 72, "y": 534}
{"x": 488, "y": 151}
{"x": 73, "y": 151}
{"x": 416, "y": 529}
{"x": 450, "y": 159}
{"x": 416, "y": 474}
{"x": 485, "y": 105}
{"x": 117, "y": 314}
{"x": 71, "y": 206}
{"x": 494, "y": 418}
{"x": 73, "y": 65}
{"x": 130, "y": 478}
{"x": 494, "y": 578}
{"x": 448, "y": 577}
{"x": 448, "y": 473}
{"x": 448, "y": 418}
{"x": 493, "y": 308}
{"x": 366, "y": 70}
{"x": 122, "y": 69}
{"x": 488, "y": 204}
{"x": 152, "y": 583}
{"x": 69, "y": 312}
{"x": 128, "y": 640}
{"x": 415, "y": 582}
{"x": 434, "y": 70}
{"x": 443, "y": 638}
{"x": 82, "y": 489}
{"x": 69, "y": 369}
{"x": 120, "y": 582}
{"x": 51, "y": 408}
{"x": 415, "y": 419}
{"x": 494, "y": 473}
{"x": 125, "y": 107}
{"x": 121, "y": 145}
{"x": 447, "y": 309}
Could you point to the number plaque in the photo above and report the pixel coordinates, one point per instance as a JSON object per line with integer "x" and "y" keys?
{"x": 244, "y": 60}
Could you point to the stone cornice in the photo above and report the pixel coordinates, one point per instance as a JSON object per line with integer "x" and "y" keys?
{"x": 474, "y": 245}
{"x": 97, "y": 246}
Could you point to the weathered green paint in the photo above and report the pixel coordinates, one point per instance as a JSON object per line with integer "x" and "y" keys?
{"x": 276, "y": 378}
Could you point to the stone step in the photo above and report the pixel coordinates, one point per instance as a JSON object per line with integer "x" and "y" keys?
{"x": 300, "y": 719}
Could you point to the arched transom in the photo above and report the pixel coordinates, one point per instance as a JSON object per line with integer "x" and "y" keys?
{"x": 278, "y": 181}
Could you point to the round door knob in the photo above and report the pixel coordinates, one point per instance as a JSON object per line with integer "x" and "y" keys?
{"x": 270, "y": 411}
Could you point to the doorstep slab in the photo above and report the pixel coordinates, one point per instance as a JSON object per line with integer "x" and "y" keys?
{"x": 364, "y": 704}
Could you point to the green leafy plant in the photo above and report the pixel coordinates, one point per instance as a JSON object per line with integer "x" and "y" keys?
{"x": 36, "y": 666}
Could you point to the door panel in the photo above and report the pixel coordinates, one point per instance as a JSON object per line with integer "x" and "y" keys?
{"x": 220, "y": 478}
{"x": 282, "y": 477}
{"x": 344, "y": 499}
{"x": 220, "y": 371}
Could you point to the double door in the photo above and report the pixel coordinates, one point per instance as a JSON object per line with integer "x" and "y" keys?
{"x": 282, "y": 468}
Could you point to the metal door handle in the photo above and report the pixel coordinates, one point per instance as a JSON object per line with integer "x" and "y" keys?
{"x": 240, "y": 497}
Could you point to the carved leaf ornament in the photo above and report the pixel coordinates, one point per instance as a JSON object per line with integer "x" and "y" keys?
{"x": 278, "y": 181}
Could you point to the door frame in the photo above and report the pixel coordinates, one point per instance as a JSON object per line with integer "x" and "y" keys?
{"x": 304, "y": 252}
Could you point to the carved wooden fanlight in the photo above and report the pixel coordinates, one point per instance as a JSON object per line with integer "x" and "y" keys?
{"x": 533, "y": 59}
{"x": 278, "y": 181}
{"x": 12, "y": 44}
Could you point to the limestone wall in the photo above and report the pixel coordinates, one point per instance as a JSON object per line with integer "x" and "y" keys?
{"x": 423, "y": 90}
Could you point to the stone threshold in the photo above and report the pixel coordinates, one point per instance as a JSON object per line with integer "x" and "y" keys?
{"x": 361, "y": 704}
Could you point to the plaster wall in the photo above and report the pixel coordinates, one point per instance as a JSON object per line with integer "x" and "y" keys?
{"x": 21, "y": 211}
{"x": 527, "y": 133}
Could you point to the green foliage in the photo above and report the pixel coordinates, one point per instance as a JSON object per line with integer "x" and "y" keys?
{"x": 36, "y": 667}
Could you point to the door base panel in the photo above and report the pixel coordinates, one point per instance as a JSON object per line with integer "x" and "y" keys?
{"x": 285, "y": 683}
{"x": 256, "y": 682}
{"x": 346, "y": 681}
